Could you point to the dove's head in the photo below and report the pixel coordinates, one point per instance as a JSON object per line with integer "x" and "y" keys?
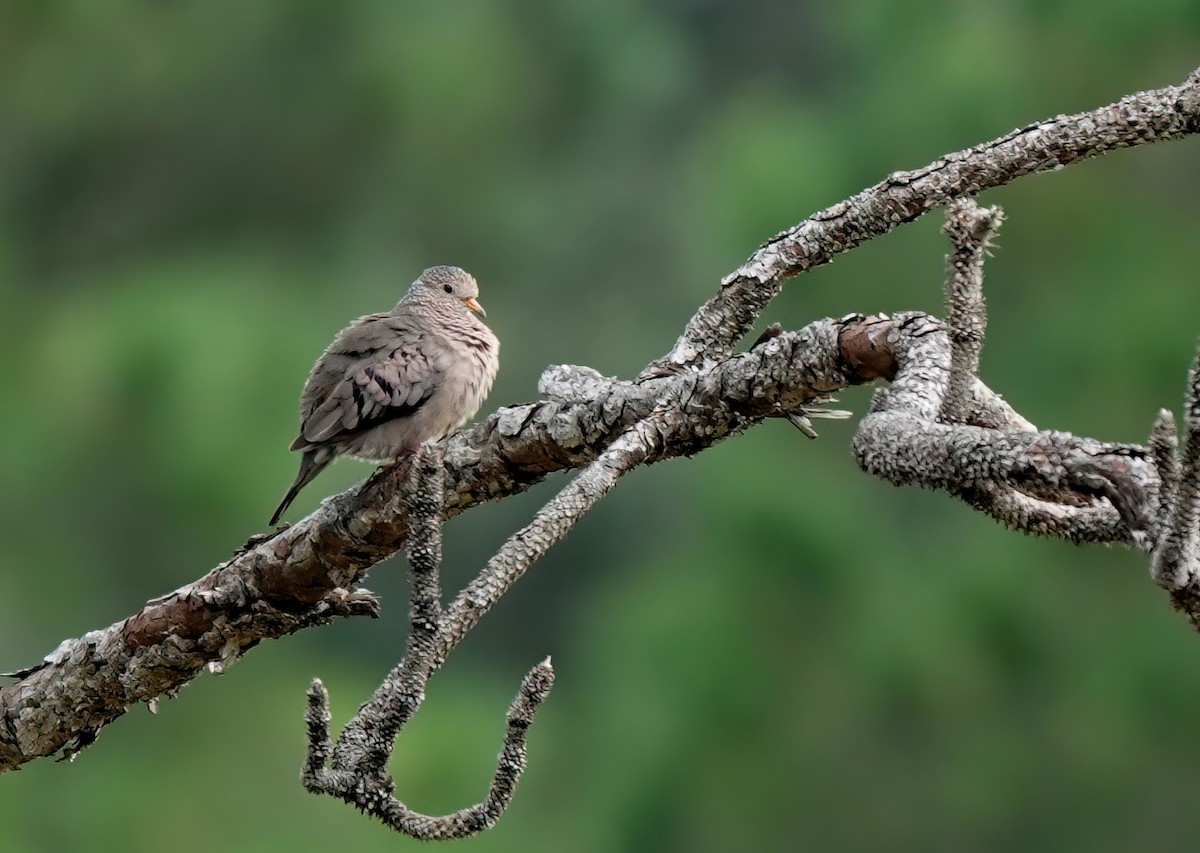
{"x": 447, "y": 285}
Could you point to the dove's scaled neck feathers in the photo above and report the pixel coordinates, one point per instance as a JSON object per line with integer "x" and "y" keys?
{"x": 444, "y": 301}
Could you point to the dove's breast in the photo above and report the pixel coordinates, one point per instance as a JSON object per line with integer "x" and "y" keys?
{"x": 473, "y": 372}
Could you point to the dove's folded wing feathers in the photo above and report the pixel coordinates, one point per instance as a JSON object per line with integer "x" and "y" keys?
{"x": 375, "y": 371}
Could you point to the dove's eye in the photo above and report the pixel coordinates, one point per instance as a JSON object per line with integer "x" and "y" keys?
{"x": 448, "y": 289}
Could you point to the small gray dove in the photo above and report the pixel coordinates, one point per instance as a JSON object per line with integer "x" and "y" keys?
{"x": 391, "y": 382}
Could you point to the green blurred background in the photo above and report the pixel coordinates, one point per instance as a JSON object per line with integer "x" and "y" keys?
{"x": 758, "y": 649}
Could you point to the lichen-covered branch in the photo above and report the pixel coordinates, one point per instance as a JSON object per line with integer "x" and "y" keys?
{"x": 373, "y": 794}
{"x": 1175, "y": 560}
{"x": 355, "y": 769}
{"x": 933, "y": 427}
{"x": 936, "y": 424}
{"x": 638, "y": 445}
{"x": 1090, "y": 490}
{"x": 971, "y": 229}
{"x": 1153, "y": 116}
{"x": 312, "y": 571}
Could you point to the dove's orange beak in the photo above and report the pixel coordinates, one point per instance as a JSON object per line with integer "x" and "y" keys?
{"x": 475, "y": 306}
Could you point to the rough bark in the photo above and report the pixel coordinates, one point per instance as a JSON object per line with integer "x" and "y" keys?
{"x": 935, "y": 425}
{"x": 310, "y": 572}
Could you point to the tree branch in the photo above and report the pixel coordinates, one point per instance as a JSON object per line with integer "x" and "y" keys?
{"x": 355, "y": 770}
{"x": 1152, "y": 116}
{"x": 936, "y": 425}
{"x": 281, "y": 583}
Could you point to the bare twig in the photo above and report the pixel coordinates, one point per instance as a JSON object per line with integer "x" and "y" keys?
{"x": 372, "y": 794}
{"x": 971, "y": 229}
{"x": 366, "y": 743}
{"x": 1164, "y": 450}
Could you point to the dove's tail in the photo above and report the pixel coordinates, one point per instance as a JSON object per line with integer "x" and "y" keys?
{"x": 311, "y": 464}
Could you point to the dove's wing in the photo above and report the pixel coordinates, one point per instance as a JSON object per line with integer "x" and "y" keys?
{"x": 379, "y": 368}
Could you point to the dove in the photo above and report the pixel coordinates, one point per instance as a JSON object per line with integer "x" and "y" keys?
{"x": 391, "y": 382}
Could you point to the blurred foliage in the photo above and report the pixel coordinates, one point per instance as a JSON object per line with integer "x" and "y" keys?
{"x": 758, "y": 649}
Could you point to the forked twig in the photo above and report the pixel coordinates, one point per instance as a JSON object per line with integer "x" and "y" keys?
{"x": 354, "y": 768}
